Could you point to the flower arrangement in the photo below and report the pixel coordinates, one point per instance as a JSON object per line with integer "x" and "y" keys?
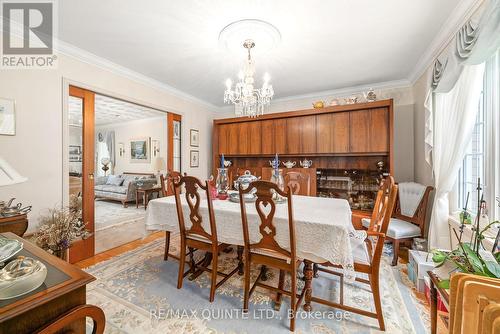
{"x": 60, "y": 227}
{"x": 471, "y": 257}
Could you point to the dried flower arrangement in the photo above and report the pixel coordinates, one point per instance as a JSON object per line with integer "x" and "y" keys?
{"x": 60, "y": 227}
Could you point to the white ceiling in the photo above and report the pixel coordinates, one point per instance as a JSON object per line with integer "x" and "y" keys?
{"x": 109, "y": 110}
{"x": 325, "y": 45}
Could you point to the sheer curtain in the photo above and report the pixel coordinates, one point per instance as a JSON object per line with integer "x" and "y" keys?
{"x": 455, "y": 113}
{"x": 492, "y": 154}
{"x": 451, "y": 107}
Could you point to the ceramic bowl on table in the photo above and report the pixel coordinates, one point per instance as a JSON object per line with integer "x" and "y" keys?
{"x": 21, "y": 276}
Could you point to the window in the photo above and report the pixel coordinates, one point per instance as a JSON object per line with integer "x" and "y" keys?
{"x": 473, "y": 166}
{"x": 482, "y": 159}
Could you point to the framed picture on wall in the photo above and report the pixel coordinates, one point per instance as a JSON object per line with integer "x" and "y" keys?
{"x": 140, "y": 150}
{"x": 75, "y": 153}
{"x": 7, "y": 117}
{"x": 194, "y": 159}
{"x": 194, "y": 138}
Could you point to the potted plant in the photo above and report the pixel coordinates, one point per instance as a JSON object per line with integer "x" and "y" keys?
{"x": 60, "y": 227}
{"x": 471, "y": 257}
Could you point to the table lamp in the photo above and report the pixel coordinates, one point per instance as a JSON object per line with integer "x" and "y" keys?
{"x": 159, "y": 165}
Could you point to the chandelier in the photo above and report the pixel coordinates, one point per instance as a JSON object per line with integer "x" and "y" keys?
{"x": 248, "y": 100}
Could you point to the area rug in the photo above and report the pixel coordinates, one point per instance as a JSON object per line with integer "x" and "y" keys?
{"x": 137, "y": 291}
{"x": 112, "y": 213}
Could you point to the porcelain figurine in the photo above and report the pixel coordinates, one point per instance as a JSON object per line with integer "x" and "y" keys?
{"x": 306, "y": 163}
{"x": 289, "y": 164}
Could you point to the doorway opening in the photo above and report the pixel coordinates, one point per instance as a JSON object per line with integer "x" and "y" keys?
{"x": 116, "y": 151}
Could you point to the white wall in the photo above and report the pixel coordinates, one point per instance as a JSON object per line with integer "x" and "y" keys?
{"x": 154, "y": 128}
{"x": 403, "y": 123}
{"x": 36, "y": 150}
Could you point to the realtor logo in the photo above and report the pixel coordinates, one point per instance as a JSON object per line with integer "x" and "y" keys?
{"x": 28, "y": 34}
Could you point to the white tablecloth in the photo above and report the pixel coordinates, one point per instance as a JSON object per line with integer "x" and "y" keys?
{"x": 323, "y": 228}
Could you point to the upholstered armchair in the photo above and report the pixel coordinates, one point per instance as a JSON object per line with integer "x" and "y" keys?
{"x": 408, "y": 219}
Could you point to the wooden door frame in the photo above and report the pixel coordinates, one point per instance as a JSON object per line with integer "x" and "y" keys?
{"x": 171, "y": 117}
{"x": 83, "y": 249}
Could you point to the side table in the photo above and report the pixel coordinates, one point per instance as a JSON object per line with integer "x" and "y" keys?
{"x": 145, "y": 194}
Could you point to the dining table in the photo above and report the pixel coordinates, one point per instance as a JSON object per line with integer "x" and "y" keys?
{"x": 323, "y": 229}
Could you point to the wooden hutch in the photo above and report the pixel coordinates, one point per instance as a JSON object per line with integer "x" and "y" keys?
{"x": 350, "y": 146}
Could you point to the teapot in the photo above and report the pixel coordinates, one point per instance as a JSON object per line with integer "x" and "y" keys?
{"x": 289, "y": 164}
{"x": 318, "y": 104}
{"x": 271, "y": 162}
{"x": 306, "y": 163}
{"x": 370, "y": 96}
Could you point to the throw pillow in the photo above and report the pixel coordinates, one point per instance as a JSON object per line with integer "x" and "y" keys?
{"x": 114, "y": 180}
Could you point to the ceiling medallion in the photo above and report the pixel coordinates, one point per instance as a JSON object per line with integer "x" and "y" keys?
{"x": 248, "y": 100}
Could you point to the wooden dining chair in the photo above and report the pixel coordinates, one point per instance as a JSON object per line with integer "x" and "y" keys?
{"x": 166, "y": 183}
{"x": 367, "y": 255}
{"x": 267, "y": 251}
{"x": 196, "y": 237}
{"x": 78, "y": 313}
{"x": 299, "y": 183}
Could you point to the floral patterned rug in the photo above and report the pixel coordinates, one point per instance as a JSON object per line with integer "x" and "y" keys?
{"x": 137, "y": 291}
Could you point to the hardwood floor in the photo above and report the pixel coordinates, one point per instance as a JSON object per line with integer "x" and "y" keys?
{"x": 118, "y": 250}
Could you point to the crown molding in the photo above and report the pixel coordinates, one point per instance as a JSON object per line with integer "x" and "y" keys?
{"x": 105, "y": 64}
{"x": 463, "y": 10}
{"x": 348, "y": 90}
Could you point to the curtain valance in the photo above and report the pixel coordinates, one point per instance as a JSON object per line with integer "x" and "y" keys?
{"x": 475, "y": 42}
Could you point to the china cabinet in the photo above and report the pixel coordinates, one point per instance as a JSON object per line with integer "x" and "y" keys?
{"x": 349, "y": 146}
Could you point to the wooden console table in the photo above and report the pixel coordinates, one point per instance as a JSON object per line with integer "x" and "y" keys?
{"x": 16, "y": 224}
{"x": 445, "y": 297}
{"x": 63, "y": 289}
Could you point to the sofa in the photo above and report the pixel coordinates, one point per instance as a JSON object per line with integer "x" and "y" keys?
{"x": 122, "y": 187}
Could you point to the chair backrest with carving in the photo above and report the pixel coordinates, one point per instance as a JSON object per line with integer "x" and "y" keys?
{"x": 193, "y": 189}
{"x": 266, "y": 209}
{"x": 384, "y": 205}
{"x": 167, "y": 181}
{"x": 297, "y": 180}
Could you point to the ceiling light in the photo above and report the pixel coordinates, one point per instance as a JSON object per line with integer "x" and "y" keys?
{"x": 247, "y": 100}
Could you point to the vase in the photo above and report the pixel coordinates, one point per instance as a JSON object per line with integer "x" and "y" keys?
{"x": 222, "y": 182}
{"x": 277, "y": 178}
